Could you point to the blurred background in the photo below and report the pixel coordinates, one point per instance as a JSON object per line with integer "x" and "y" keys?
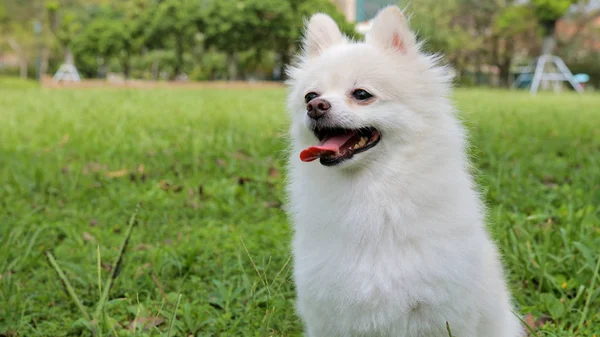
{"x": 488, "y": 42}
{"x": 179, "y": 105}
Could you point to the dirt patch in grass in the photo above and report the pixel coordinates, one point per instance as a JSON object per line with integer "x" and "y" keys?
{"x": 143, "y": 84}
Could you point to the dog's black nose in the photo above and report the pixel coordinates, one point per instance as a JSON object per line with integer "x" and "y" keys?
{"x": 317, "y": 108}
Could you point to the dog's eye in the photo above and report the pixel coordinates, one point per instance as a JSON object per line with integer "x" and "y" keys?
{"x": 361, "y": 94}
{"x": 310, "y": 96}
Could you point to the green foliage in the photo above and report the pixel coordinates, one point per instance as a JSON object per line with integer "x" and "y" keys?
{"x": 232, "y": 26}
{"x": 69, "y": 27}
{"x": 304, "y": 9}
{"x": 512, "y": 20}
{"x": 212, "y": 66}
{"x": 472, "y": 34}
{"x": 427, "y": 16}
{"x": 276, "y": 25}
{"x": 111, "y": 29}
{"x": 76, "y": 162}
{"x": 551, "y": 10}
{"x": 173, "y": 25}
{"x": 586, "y": 65}
{"x": 3, "y": 13}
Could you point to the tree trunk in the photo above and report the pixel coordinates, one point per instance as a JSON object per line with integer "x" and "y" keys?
{"x": 44, "y": 63}
{"x": 233, "y": 68}
{"x": 285, "y": 61}
{"x": 23, "y": 68}
{"x": 504, "y": 68}
{"x": 178, "y": 57}
{"x": 69, "y": 59}
{"x": 548, "y": 45}
{"x": 155, "y": 69}
{"x": 22, "y": 59}
{"x": 549, "y": 38}
{"x": 504, "y": 64}
{"x": 126, "y": 66}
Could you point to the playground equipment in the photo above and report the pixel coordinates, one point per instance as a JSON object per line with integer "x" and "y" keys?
{"x": 548, "y": 70}
{"x": 67, "y": 71}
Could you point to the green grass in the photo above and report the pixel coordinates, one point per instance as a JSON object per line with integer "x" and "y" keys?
{"x": 208, "y": 169}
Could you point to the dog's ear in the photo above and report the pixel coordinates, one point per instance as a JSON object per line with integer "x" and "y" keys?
{"x": 321, "y": 33}
{"x": 390, "y": 31}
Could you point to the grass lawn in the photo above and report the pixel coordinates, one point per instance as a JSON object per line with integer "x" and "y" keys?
{"x": 208, "y": 167}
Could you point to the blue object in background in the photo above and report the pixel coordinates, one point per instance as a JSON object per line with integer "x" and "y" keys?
{"x": 582, "y": 78}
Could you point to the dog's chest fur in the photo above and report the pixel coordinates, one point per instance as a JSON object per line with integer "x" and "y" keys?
{"x": 368, "y": 261}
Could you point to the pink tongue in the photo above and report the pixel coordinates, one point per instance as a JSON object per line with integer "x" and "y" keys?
{"x": 328, "y": 146}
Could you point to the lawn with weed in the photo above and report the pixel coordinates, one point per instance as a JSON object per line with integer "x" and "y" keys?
{"x": 209, "y": 251}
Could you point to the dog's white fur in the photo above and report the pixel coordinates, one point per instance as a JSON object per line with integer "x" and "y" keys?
{"x": 391, "y": 242}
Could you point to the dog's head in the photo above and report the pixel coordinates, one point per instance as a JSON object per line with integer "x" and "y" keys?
{"x": 353, "y": 102}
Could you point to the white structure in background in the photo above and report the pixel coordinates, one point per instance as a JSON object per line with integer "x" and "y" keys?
{"x": 560, "y": 74}
{"x": 67, "y": 71}
{"x": 363, "y": 27}
{"x": 549, "y": 70}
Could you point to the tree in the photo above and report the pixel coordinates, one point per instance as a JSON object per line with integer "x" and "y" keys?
{"x": 513, "y": 24}
{"x": 234, "y": 26}
{"x": 16, "y": 29}
{"x": 548, "y": 12}
{"x": 447, "y": 28}
{"x": 288, "y": 41}
{"x": 102, "y": 38}
{"x": 173, "y": 24}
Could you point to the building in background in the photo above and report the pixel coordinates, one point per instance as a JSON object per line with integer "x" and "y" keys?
{"x": 361, "y": 11}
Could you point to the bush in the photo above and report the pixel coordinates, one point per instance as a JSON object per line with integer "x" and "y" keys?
{"x": 211, "y": 66}
{"x": 587, "y": 65}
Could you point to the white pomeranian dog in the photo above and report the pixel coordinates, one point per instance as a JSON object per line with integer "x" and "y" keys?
{"x": 389, "y": 236}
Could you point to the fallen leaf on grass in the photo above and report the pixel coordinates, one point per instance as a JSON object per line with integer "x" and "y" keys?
{"x": 64, "y": 140}
{"x": 272, "y": 204}
{"x": 140, "y": 172}
{"x": 549, "y": 180}
{"x": 142, "y": 269}
{"x": 536, "y": 323}
{"x": 88, "y": 237}
{"x": 146, "y": 323}
{"x": 530, "y": 320}
{"x": 241, "y": 155}
{"x": 117, "y": 174}
{"x": 164, "y": 185}
{"x": 243, "y": 180}
{"x": 199, "y": 191}
{"x": 274, "y": 173}
{"x": 221, "y": 162}
{"x": 143, "y": 246}
{"x": 93, "y": 167}
{"x": 540, "y": 321}
{"x": 193, "y": 204}
{"x": 9, "y": 333}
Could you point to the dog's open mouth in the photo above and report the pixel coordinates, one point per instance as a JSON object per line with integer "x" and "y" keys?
{"x": 337, "y": 145}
